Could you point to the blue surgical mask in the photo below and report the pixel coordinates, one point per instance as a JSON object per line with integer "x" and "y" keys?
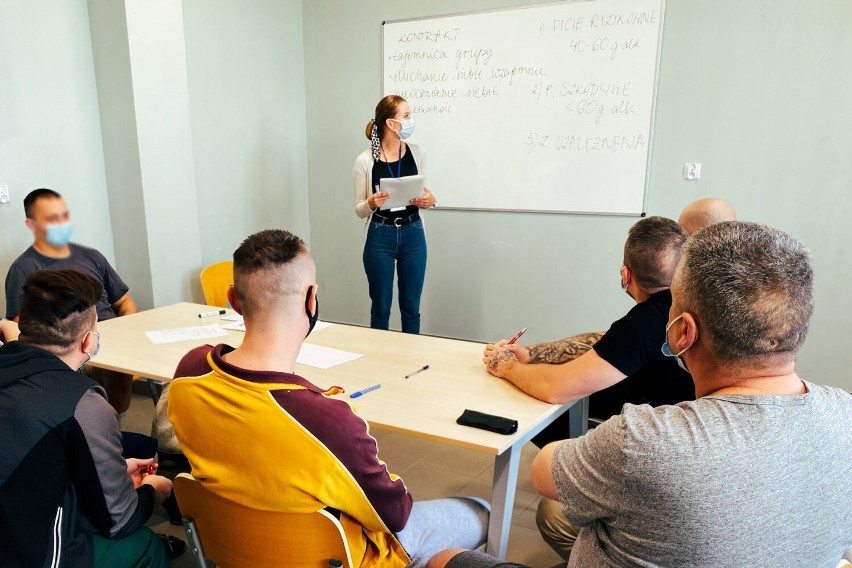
{"x": 407, "y": 128}
{"x": 59, "y": 234}
{"x": 667, "y": 351}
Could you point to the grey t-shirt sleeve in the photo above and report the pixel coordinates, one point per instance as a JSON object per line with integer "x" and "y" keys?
{"x": 113, "y": 284}
{"x": 590, "y": 473}
{"x": 15, "y": 279}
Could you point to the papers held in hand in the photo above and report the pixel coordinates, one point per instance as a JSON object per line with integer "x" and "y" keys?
{"x": 401, "y": 190}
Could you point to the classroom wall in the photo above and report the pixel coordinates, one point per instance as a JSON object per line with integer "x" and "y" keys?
{"x": 245, "y": 67}
{"x": 755, "y": 91}
{"x": 233, "y": 112}
{"x": 49, "y": 126}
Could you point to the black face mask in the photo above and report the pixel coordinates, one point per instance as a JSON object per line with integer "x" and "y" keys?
{"x": 312, "y": 319}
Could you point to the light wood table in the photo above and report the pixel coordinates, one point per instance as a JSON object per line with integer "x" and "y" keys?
{"x": 425, "y": 406}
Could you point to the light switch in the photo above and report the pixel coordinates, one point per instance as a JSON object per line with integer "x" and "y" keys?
{"x": 691, "y": 171}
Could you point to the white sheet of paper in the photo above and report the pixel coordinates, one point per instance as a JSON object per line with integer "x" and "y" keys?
{"x": 185, "y": 333}
{"x": 241, "y": 325}
{"x": 232, "y": 317}
{"x": 324, "y": 357}
{"x": 401, "y": 190}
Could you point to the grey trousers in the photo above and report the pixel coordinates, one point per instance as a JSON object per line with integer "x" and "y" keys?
{"x": 433, "y": 526}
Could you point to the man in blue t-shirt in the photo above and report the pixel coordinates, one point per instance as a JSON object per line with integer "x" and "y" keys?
{"x": 49, "y": 219}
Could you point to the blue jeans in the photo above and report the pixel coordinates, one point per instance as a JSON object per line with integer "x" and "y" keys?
{"x": 405, "y": 246}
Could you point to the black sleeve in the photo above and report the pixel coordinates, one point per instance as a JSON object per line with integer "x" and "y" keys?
{"x": 634, "y": 341}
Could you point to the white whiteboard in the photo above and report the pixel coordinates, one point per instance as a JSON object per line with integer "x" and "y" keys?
{"x": 540, "y": 108}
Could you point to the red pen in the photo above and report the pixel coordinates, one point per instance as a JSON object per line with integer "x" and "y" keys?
{"x": 517, "y": 337}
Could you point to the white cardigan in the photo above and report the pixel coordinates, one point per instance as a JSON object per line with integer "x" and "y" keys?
{"x": 362, "y": 178}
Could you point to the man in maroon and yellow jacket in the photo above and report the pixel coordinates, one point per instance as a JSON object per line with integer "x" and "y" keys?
{"x": 258, "y": 434}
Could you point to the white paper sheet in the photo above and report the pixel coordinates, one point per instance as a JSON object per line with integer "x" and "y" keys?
{"x": 241, "y": 326}
{"x": 324, "y": 357}
{"x": 401, "y": 190}
{"x": 185, "y": 333}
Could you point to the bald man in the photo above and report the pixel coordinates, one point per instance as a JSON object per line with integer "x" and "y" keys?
{"x": 705, "y": 212}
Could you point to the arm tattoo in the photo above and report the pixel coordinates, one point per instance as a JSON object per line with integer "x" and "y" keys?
{"x": 564, "y": 350}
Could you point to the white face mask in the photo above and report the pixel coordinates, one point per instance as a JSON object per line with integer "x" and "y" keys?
{"x": 407, "y": 127}
{"x": 98, "y": 348}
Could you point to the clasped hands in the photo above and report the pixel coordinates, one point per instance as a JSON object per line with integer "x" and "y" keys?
{"x": 425, "y": 201}
{"x": 500, "y": 357}
{"x": 142, "y": 472}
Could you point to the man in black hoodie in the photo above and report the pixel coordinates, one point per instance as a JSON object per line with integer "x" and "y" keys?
{"x": 67, "y": 497}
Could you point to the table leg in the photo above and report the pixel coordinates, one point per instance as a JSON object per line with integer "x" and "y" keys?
{"x": 503, "y": 500}
{"x": 578, "y": 418}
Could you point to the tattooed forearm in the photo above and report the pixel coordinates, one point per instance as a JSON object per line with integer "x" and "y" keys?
{"x": 564, "y": 350}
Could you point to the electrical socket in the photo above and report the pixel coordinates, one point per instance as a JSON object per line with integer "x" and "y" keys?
{"x": 691, "y": 171}
{"x": 4, "y": 194}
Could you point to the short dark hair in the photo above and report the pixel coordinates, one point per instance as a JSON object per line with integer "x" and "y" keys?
{"x": 652, "y": 251}
{"x": 35, "y": 195}
{"x": 750, "y": 287}
{"x": 56, "y": 307}
{"x": 271, "y": 248}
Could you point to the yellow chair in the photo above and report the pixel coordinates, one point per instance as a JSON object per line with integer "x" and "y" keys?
{"x": 232, "y": 535}
{"x": 215, "y": 280}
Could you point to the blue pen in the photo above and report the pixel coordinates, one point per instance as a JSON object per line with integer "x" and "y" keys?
{"x": 364, "y": 391}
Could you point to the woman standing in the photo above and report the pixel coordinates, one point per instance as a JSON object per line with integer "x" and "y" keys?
{"x": 394, "y": 236}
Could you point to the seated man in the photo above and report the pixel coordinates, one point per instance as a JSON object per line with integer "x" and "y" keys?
{"x": 256, "y": 433}
{"x": 705, "y": 212}
{"x": 756, "y": 471}
{"x": 67, "y": 497}
{"x": 624, "y": 365}
{"x": 50, "y": 221}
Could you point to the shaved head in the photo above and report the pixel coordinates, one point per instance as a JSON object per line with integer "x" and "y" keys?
{"x": 705, "y": 212}
{"x": 272, "y": 272}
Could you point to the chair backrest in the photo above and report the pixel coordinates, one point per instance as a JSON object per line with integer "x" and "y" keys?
{"x": 231, "y": 534}
{"x": 215, "y": 280}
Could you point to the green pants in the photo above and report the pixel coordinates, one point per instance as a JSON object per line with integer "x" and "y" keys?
{"x": 142, "y": 549}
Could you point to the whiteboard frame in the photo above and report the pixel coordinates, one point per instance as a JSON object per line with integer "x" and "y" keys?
{"x": 540, "y": 5}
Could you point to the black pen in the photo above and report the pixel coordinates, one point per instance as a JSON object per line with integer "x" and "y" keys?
{"x": 423, "y": 368}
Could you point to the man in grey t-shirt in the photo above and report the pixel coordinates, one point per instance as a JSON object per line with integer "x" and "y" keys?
{"x": 48, "y": 217}
{"x": 757, "y": 471}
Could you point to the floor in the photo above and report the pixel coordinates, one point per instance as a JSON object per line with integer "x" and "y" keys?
{"x": 430, "y": 470}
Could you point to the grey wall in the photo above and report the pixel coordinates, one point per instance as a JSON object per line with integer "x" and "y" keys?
{"x": 755, "y": 91}
{"x": 245, "y": 65}
{"x": 168, "y": 152}
{"x": 49, "y": 127}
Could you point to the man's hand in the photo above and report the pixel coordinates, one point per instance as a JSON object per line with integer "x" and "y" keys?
{"x": 522, "y": 354}
{"x": 139, "y": 469}
{"x": 499, "y": 359}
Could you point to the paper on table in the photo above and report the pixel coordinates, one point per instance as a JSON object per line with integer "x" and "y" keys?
{"x": 241, "y": 326}
{"x": 232, "y": 317}
{"x": 324, "y": 357}
{"x": 185, "y": 333}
